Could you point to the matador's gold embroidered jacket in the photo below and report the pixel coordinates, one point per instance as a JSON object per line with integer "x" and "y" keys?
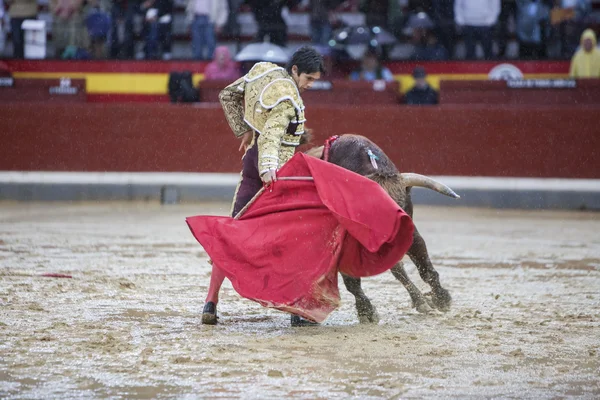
{"x": 267, "y": 101}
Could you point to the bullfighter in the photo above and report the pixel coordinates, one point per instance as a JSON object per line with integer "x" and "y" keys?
{"x": 265, "y": 110}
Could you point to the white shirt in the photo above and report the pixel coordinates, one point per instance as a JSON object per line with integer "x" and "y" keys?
{"x": 476, "y": 12}
{"x": 203, "y": 7}
{"x": 569, "y": 3}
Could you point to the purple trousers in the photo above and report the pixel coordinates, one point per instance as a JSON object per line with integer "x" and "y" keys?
{"x": 250, "y": 183}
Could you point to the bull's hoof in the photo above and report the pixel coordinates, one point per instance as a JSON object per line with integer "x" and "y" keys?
{"x": 367, "y": 313}
{"x": 299, "y": 321}
{"x": 372, "y": 318}
{"x": 368, "y": 316}
{"x": 441, "y": 299}
{"x": 424, "y": 307}
{"x": 209, "y": 314}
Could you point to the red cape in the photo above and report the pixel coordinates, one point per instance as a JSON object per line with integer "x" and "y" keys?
{"x": 286, "y": 249}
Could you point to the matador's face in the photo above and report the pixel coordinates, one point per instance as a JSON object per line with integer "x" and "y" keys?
{"x": 304, "y": 80}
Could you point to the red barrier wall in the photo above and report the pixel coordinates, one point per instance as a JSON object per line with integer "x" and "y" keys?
{"x": 587, "y": 91}
{"x": 549, "y": 141}
{"x": 341, "y": 92}
{"x": 45, "y": 90}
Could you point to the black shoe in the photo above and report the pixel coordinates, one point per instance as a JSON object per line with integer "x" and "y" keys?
{"x": 299, "y": 321}
{"x": 209, "y": 314}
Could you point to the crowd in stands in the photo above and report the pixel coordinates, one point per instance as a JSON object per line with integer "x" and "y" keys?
{"x": 97, "y": 29}
{"x": 433, "y": 28}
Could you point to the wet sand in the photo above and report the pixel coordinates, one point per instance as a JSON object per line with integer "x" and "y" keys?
{"x": 524, "y": 322}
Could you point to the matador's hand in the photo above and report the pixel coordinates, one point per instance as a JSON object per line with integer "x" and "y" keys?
{"x": 269, "y": 177}
{"x": 246, "y": 140}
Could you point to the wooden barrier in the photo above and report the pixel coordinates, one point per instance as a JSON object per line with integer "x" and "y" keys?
{"x": 44, "y": 90}
{"x": 586, "y": 91}
{"x": 341, "y": 92}
{"x": 551, "y": 141}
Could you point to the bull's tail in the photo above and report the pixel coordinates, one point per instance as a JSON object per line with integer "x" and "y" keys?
{"x": 410, "y": 179}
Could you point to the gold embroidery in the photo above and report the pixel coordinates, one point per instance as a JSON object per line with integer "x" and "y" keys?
{"x": 269, "y": 142}
{"x": 266, "y": 100}
{"x": 232, "y": 98}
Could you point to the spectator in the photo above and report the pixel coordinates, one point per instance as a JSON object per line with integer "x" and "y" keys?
{"x": 123, "y": 12}
{"x": 69, "y": 34}
{"x": 2, "y": 28}
{"x": 395, "y": 17}
{"x": 222, "y": 67}
{"x": 19, "y": 11}
{"x": 502, "y": 32}
{"x": 371, "y": 69}
{"x": 443, "y": 16}
{"x": 531, "y": 18}
{"x": 98, "y": 25}
{"x": 320, "y": 20}
{"x": 376, "y": 12}
{"x": 159, "y": 23}
{"x": 571, "y": 24}
{"x": 429, "y": 49}
{"x": 207, "y": 18}
{"x": 232, "y": 27}
{"x": 270, "y": 20}
{"x": 476, "y": 19}
{"x": 421, "y": 93}
{"x": 387, "y": 14}
{"x": 586, "y": 61}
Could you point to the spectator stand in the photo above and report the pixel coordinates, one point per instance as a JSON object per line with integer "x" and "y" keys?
{"x": 298, "y": 22}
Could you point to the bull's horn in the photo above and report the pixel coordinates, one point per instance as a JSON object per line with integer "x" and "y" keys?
{"x": 426, "y": 182}
{"x": 316, "y": 151}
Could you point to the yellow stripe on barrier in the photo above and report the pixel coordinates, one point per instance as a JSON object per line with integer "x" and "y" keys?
{"x": 142, "y": 83}
{"x": 407, "y": 81}
{"x": 118, "y": 83}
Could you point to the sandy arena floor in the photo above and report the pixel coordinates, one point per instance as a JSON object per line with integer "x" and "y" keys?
{"x": 524, "y": 324}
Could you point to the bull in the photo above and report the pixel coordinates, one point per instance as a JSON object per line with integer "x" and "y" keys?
{"x": 360, "y": 155}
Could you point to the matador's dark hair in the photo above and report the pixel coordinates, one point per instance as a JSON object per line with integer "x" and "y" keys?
{"x": 308, "y": 61}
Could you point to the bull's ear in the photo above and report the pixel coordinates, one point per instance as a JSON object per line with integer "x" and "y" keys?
{"x": 315, "y": 152}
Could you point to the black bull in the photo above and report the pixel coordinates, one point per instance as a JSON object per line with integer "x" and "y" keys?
{"x": 359, "y": 154}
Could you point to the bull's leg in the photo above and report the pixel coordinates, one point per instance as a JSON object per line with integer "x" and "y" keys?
{"x": 418, "y": 300}
{"x": 366, "y": 311}
{"x": 418, "y": 254}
